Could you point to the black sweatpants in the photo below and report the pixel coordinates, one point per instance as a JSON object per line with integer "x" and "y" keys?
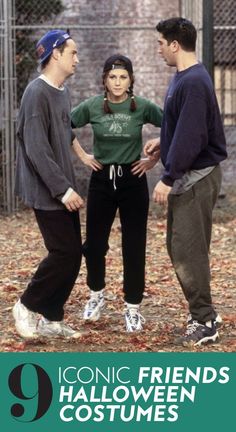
{"x": 54, "y": 279}
{"x": 129, "y": 194}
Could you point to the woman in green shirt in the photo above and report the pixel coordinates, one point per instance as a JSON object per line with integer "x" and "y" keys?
{"x": 118, "y": 181}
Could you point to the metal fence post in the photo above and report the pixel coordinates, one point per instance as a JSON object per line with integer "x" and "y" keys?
{"x": 208, "y": 41}
{"x": 8, "y": 102}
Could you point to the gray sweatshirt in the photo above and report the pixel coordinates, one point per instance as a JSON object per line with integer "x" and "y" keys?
{"x": 44, "y": 169}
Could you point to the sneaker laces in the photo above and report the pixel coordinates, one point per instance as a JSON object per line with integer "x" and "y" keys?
{"x": 135, "y": 318}
{"x": 93, "y": 302}
{"x": 192, "y": 327}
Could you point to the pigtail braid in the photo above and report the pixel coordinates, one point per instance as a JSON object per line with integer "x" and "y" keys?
{"x": 133, "y": 105}
{"x": 106, "y": 107}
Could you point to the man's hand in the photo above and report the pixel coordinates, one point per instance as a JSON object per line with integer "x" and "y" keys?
{"x": 74, "y": 202}
{"x": 152, "y": 149}
{"x": 142, "y": 165}
{"x": 161, "y": 192}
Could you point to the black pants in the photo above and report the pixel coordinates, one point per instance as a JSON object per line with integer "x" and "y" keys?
{"x": 188, "y": 242}
{"x": 54, "y": 279}
{"x": 132, "y": 200}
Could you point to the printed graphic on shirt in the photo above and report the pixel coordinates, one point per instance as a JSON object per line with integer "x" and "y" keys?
{"x": 116, "y": 124}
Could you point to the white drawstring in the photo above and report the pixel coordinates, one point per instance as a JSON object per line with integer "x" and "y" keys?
{"x": 113, "y": 173}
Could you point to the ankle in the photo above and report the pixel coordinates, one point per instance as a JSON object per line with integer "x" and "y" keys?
{"x": 133, "y": 306}
{"x": 95, "y": 295}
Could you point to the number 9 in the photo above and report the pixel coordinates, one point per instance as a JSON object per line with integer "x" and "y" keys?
{"x": 43, "y": 393}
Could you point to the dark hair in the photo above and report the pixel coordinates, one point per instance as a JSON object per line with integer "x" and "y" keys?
{"x": 179, "y": 29}
{"x": 46, "y": 61}
{"x": 106, "y": 106}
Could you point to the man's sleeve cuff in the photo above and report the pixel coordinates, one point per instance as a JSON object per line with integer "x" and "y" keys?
{"x": 67, "y": 195}
{"x": 167, "y": 181}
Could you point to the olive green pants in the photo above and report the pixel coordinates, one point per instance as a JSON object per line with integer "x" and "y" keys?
{"x": 189, "y": 227}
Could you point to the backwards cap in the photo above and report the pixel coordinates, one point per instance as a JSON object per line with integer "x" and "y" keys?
{"x": 52, "y": 39}
{"x": 113, "y": 63}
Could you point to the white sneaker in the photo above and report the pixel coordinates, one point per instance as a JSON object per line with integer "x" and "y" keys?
{"x": 25, "y": 320}
{"x": 55, "y": 328}
{"x": 94, "y": 306}
{"x": 134, "y": 320}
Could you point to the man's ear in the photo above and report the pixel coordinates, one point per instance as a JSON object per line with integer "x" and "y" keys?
{"x": 56, "y": 54}
{"x": 174, "y": 46}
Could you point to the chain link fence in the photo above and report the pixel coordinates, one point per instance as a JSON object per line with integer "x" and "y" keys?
{"x": 23, "y": 21}
{"x": 225, "y": 58}
{"x": 30, "y": 16}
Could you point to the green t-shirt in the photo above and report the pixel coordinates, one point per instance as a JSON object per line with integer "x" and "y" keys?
{"x": 117, "y": 136}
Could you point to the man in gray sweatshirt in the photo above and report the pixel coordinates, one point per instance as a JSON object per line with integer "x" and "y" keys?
{"x": 45, "y": 181}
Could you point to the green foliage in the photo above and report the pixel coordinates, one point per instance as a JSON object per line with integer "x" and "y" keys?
{"x": 30, "y": 12}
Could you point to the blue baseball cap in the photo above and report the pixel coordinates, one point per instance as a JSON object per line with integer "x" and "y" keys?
{"x": 52, "y": 39}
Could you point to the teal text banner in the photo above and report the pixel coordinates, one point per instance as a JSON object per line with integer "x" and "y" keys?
{"x": 109, "y": 392}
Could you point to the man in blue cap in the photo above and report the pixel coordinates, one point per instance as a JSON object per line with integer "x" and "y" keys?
{"x": 45, "y": 181}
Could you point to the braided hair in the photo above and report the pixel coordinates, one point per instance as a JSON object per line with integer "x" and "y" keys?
{"x": 106, "y": 106}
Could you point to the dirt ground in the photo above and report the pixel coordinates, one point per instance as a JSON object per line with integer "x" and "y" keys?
{"x": 164, "y": 307}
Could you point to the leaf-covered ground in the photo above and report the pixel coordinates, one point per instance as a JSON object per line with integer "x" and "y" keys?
{"x": 164, "y": 307}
